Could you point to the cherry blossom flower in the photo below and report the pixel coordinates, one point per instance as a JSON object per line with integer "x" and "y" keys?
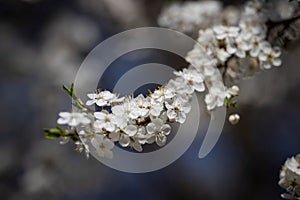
{"x": 269, "y": 56}
{"x": 189, "y": 16}
{"x": 193, "y": 80}
{"x": 222, "y": 55}
{"x": 290, "y": 178}
{"x": 73, "y": 119}
{"x": 223, "y": 32}
{"x": 178, "y": 109}
{"x": 103, "y": 146}
{"x": 100, "y": 99}
{"x": 128, "y": 108}
{"x": 163, "y": 93}
{"x": 215, "y": 98}
{"x": 159, "y": 131}
{"x": 104, "y": 122}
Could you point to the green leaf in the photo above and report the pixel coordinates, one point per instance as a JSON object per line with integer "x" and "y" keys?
{"x": 69, "y": 91}
{"x": 74, "y": 137}
{"x": 234, "y": 104}
{"x": 227, "y": 102}
{"x": 52, "y": 130}
{"x": 53, "y": 133}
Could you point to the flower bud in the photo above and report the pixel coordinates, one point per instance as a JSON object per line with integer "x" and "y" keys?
{"x": 234, "y": 119}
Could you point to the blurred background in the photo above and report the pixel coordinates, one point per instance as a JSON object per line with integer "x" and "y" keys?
{"x": 42, "y": 44}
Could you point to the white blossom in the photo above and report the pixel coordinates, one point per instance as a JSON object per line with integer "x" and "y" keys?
{"x": 128, "y": 108}
{"x": 269, "y": 56}
{"x": 158, "y": 131}
{"x": 178, "y": 109}
{"x": 256, "y": 43}
{"x": 290, "y": 177}
{"x": 73, "y": 119}
{"x": 100, "y": 99}
{"x": 103, "y": 146}
{"x": 193, "y": 80}
{"x": 222, "y": 55}
{"x": 223, "y": 32}
{"x": 190, "y": 16}
{"x": 120, "y": 136}
{"x": 104, "y": 122}
{"x": 208, "y": 41}
{"x": 215, "y": 98}
{"x": 163, "y": 93}
{"x": 154, "y": 108}
{"x": 147, "y": 106}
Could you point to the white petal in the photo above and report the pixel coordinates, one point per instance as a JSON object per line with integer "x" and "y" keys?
{"x": 108, "y": 144}
{"x": 100, "y": 115}
{"x": 151, "y": 128}
{"x": 118, "y": 110}
{"x": 181, "y": 117}
{"x": 137, "y": 146}
{"x": 277, "y": 51}
{"x": 114, "y": 136}
{"x": 156, "y": 110}
{"x": 186, "y": 108}
{"x": 130, "y": 130}
{"x": 62, "y": 121}
{"x": 64, "y": 114}
{"x": 151, "y": 139}
{"x": 101, "y": 102}
{"x": 161, "y": 140}
{"x": 85, "y": 120}
{"x": 100, "y": 152}
{"x": 254, "y": 51}
{"x": 98, "y": 125}
{"x": 199, "y": 87}
{"x": 108, "y": 153}
{"x": 121, "y": 121}
{"x": 276, "y": 62}
{"x": 171, "y": 114}
{"x": 90, "y": 102}
{"x": 166, "y": 129}
{"x": 107, "y": 95}
{"x": 240, "y": 53}
{"x": 109, "y": 127}
{"x": 93, "y": 96}
{"x": 73, "y": 122}
{"x": 124, "y": 140}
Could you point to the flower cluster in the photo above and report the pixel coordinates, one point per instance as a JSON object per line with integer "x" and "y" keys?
{"x": 190, "y": 16}
{"x": 134, "y": 121}
{"x": 237, "y": 50}
{"x": 290, "y": 178}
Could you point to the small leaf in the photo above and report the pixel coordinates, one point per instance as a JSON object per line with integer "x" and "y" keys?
{"x": 234, "y": 104}
{"x": 69, "y": 91}
{"x": 72, "y": 89}
{"x": 52, "y": 130}
{"x": 50, "y": 135}
{"x": 53, "y": 133}
{"x": 74, "y": 137}
{"x": 227, "y": 102}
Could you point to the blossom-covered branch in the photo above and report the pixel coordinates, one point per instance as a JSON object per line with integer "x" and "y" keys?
{"x": 235, "y": 44}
